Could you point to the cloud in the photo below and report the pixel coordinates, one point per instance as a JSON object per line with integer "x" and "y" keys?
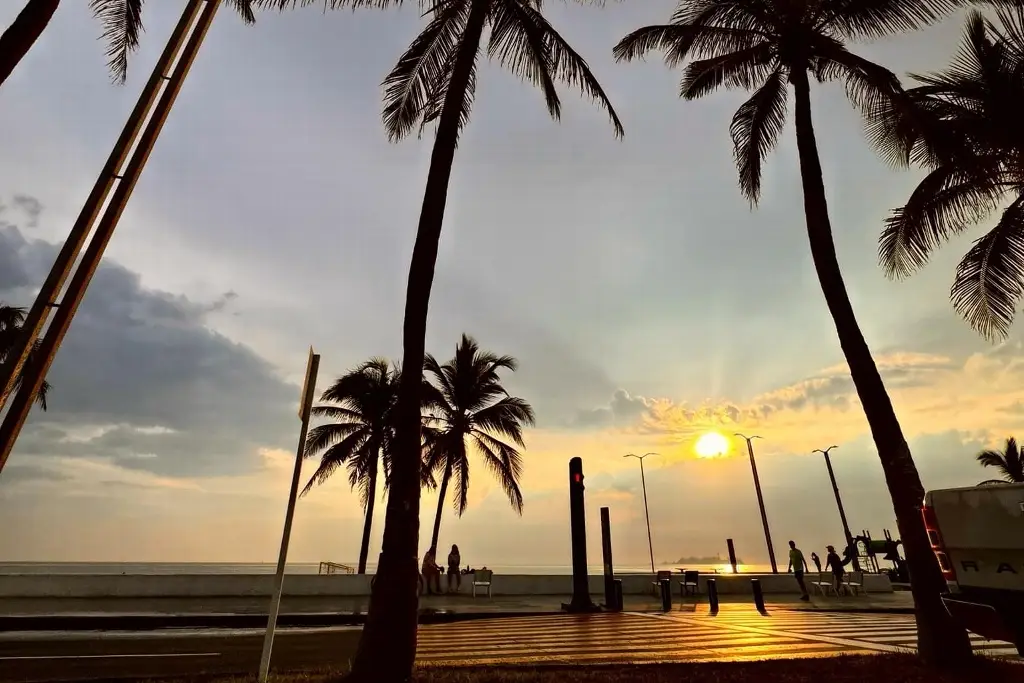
{"x": 142, "y": 380}
{"x": 623, "y": 409}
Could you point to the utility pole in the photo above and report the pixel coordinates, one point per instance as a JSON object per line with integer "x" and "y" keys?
{"x": 760, "y": 500}
{"x": 839, "y": 503}
{"x": 647, "y": 515}
{"x": 102, "y": 211}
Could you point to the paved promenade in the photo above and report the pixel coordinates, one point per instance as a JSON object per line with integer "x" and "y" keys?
{"x": 738, "y": 633}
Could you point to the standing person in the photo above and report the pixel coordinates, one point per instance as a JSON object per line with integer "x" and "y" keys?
{"x": 817, "y": 561}
{"x": 797, "y": 564}
{"x": 431, "y": 571}
{"x": 454, "y": 562}
{"x": 836, "y": 563}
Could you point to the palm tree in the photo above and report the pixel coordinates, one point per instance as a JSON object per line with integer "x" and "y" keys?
{"x": 435, "y": 81}
{"x": 769, "y": 46}
{"x": 359, "y": 437}
{"x": 470, "y": 404}
{"x": 121, "y": 21}
{"x": 11, "y": 320}
{"x": 962, "y": 126}
{"x": 1009, "y": 462}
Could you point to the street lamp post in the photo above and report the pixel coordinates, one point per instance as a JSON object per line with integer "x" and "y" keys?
{"x": 647, "y": 514}
{"x": 839, "y": 503}
{"x": 760, "y": 500}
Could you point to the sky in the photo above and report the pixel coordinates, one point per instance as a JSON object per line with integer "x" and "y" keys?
{"x": 646, "y": 301}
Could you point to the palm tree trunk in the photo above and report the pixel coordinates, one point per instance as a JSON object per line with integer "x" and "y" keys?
{"x": 940, "y": 639}
{"x": 21, "y": 35}
{"x": 440, "y": 504}
{"x": 387, "y": 648}
{"x": 364, "y": 547}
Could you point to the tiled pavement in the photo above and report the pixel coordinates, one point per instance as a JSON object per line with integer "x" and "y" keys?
{"x": 736, "y": 633}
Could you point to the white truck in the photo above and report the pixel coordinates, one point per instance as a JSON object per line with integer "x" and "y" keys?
{"x": 977, "y": 535}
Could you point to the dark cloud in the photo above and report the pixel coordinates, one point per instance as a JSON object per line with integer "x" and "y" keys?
{"x": 23, "y": 473}
{"x": 623, "y": 409}
{"x": 142, "y": 380}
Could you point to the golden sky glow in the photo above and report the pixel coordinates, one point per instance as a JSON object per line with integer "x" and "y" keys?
{"x": 711, "y": 445}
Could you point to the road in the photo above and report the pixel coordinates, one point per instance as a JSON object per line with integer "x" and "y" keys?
{"x": 733, "y": 635}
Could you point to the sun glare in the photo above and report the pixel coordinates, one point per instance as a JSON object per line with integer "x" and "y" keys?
{"x": 711, "y": 445}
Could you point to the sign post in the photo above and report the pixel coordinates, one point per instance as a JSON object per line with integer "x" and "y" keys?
{"x": 305, "y": 405}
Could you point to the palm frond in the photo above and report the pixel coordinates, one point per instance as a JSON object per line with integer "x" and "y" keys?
{"x": 335, "y": 456}
{"x": 506, "y": 417}
{"x": 562, "y": 62}
{"x": 745, "y": 69}
{"x": 989, "y": 280}
{"x": 437, "y": 96}
{"x": 122, "y": 25}
{"x": 418, "y": 71}
{"x": 946, "y": 201}
{"x": 859, "y": 19}
{"x": 505, "y": 464}
{"x": 460, "y": 475}
{"x": 755, "y": 131}
{"x": 518, "y": 44}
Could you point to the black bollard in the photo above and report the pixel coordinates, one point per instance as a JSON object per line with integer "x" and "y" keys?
{"x": 617, "y": 595}
{"x": 581, "y": 601}
{"x": 732, "y": 554}
{"x": 606, "y": 552}
{"x": 666, "y": 595}
{"x": 713, "y": 596}
{"x": 758, "y": 596}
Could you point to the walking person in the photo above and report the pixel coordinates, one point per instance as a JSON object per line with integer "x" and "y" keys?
{"x": 797, "y": 565}
{"x": 833, "y": 561}
{"x": 454, "y": 574}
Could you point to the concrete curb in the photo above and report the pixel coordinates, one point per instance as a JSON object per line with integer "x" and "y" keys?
{"x": 152, "y": 622}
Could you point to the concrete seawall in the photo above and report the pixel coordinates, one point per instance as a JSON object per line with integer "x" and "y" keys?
{"x": 203, "y": 586}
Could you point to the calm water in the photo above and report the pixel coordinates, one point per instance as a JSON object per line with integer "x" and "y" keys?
{"x": 296, "y": 568}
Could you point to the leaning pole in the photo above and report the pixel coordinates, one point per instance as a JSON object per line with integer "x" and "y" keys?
{"x": 102, "y": 211}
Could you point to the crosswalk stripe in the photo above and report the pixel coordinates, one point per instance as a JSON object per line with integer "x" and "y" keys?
{"x": 733, "y": 635}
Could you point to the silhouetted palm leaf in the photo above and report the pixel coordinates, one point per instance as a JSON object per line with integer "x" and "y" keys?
{"x": 122, "y": 26}
{"x": 962, "y": 126}
{"x": 11, "y": 320}
{"x": 1008, "y": 462}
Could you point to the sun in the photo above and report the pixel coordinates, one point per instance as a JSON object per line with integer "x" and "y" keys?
{"x": 711, "y": 445}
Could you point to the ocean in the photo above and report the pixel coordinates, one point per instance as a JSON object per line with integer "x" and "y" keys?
{"x": 164, "y": 568}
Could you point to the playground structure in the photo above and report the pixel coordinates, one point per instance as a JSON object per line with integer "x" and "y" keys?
{"x": 870, "y": 550}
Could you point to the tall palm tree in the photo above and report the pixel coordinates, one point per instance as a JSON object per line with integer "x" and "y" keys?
{"x": 360, "y": 435}
{"x": 470, "y": 405}
{"x": 435, "y": 80}
{"x": 1008, "y": 462}
{"x": 121, "y": 21}
{"x": 963, "y": 126}
{"x": 770, "y": 46}
{"x": 11, "y": 320}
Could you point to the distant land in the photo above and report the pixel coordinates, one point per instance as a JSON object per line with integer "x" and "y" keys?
{"x": 717, "y": 559}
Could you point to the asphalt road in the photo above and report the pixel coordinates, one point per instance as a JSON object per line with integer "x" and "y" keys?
{"x": 105, "y": 655}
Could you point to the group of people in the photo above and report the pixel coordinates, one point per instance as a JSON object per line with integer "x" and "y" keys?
{"x": 837, "y": 565}
{"x": 431, "y": 571}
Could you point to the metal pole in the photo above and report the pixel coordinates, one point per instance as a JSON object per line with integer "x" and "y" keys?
{"x": 36, "y": 371}
{"x": 760, "y": 500}
{"x": 647, "y": 514}
{"x": 47, "y": 296}
{"x": 312, "y": 366}
{"x": 839, "y": 504}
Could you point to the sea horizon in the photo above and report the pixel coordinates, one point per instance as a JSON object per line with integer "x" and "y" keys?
{"x": 170, "y": 568}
